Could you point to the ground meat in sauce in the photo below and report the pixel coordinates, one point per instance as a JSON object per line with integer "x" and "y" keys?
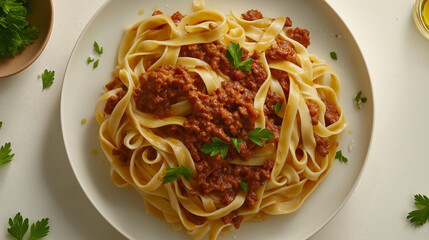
{"x": 214, "y": 54}
{"x": 288, "y": 22}
{"x": 300, "y": 35}
{"x": 322, "y": 145}
{"x": 234, "y": 218}
{"x": 161, "y": 88}
{"x": 331, "y": 114}
{"x": 252, "y": 15}
{"x": 112, "y": 101}
{"x": 281, "y": 50}
{"x": 313, "y": 108}
{"x": 177, "y": 17}
{"x": 157, "y": 12}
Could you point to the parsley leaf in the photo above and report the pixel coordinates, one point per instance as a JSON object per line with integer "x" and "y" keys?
{"x": 339, "y": 156}
{"x": 277, "y": 107}
{"x": 257, "y": 134}
{"x": 39, "y": 229}
{"x": 421, "y": 215}
{"x": 5, "y": 156}
{"x": 244, "y": 186}
{"x": 174, "y": 173}
{"x": 18, "y": 227}
{"x": 234, "y": 55}
{"x": 48, "y": 78}
{"x": 95, "y": 64}
{"x": 1, "y": 123}
{"x": 215, "y": 147}
{"x": 97, "y": 48}
{"x": 359, "y": 100}
{"x": 89, "y": 60}
{"x": 15, "y": 32}
{"x": 237, "y": 143}
{"x": 333, "y": 55}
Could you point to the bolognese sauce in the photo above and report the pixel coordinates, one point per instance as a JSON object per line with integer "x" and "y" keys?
{"x": 226, "y": 113}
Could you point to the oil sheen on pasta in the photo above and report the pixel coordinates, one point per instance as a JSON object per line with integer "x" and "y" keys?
{"x": 174, "y": 90}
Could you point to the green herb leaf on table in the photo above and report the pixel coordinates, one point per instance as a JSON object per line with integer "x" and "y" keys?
{"x": 421, "y": 215}
{"x": 18, "y": 227}
{"x": 234, "y": 55}
{"x": 97, "y": 48}
{"x": 89, "y": 60}
{"x": 359, "y": 100}
{"x": 257, "y": 134}
{"x": 48, "y": 78}
{"x": 277, "y": 107}
{"x": 95, "y": 64}
{"x": 236, "y": 142}
{"x": 174, "y": 173}
{"x": 339, "y": 156}
{"x": 215, "y": 147}
{"x": 15, "y": 32}
{"x": 333, "y": 55}
{"x": 1, "y": 123}
{"x": 39, "y": 229}
{"x": 5, "y": 155}
{"x": 244, "y": 186}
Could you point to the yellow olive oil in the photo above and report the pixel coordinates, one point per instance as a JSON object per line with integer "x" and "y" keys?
{"x": 425, "y": 12}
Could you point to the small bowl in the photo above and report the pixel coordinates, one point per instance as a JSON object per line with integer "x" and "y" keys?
{"x": 42, "y": 16}
{"x": 418, "y": 17}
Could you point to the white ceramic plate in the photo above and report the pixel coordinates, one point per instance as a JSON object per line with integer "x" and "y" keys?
{"x": 123, "y": 208}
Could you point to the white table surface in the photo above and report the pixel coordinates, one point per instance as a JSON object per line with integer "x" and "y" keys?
{"x": 39, "y": 181}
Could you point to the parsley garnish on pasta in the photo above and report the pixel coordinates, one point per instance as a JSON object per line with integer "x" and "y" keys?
{"x": 258, "y": 134}
{"x": 244, "y": 186}
{"x": 234, "y": 55}
{"x": 174, "y": 173}
{"x": 277, "y": 107}
{"x": 215, "y": 147}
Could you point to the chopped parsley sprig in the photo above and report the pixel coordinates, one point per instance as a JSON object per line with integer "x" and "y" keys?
{"x": 174, "y": 173}
{"x": 18, "y": 227}
{"x": 234, "y": 55}
{"x": 215, "y": 147}
{"x": 244, "y": 187}
{"x": 277, "y": 107}
{"x": 339, "y": 156}
{"x": 99, "y": 51}
{"x": 333, "y": 55}
{"x": 5, "y": 155}
{"x": 97, "y": 48}
{"x": 421, "y": 215}
{"x": 359, "y": 100}
{"x": 48, "y": 78}
{"x": 218, "y": 146}
{"x": 5, "y": 150}
{"x": 258, "y": 134}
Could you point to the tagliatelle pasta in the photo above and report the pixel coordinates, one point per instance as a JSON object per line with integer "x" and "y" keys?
{"x": 176, "y": 90}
